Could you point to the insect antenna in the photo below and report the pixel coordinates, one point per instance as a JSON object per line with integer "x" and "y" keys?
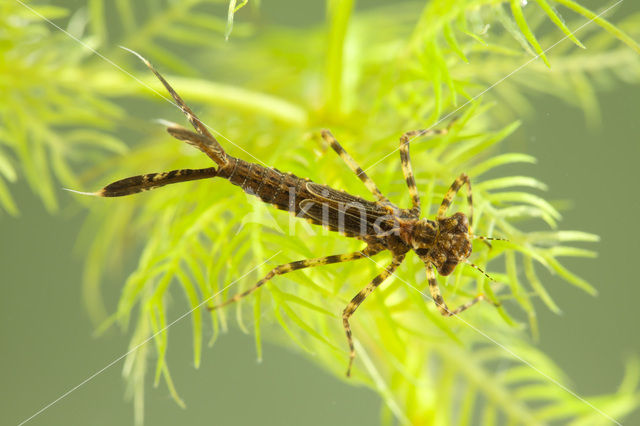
{"x": 487, "y": 239}
{"x": 482, "y": 237}
{"x": 476, "y": 267}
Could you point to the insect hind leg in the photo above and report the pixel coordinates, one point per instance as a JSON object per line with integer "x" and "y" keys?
{"x": 300, "y": 264}
{"x": 368, "y": 182}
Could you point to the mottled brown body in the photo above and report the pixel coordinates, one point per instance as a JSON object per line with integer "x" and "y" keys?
{"x": 319, "y": 204}
{"x": 440, "y": 244}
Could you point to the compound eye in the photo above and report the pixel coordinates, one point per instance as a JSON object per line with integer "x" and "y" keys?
{"x": 422, "y": 251}
{"x": 447, "y": 268}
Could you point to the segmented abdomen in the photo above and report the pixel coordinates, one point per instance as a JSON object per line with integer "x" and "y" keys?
{"x": 284, "y": 190}
{"x": 319, "y": 204}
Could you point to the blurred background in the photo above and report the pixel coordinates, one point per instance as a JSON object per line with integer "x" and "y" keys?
{"x": 47, "y": 338}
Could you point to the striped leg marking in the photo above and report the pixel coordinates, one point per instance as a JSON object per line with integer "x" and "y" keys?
{"x": 368, "y": 182}
{"x": 359, "y": 298}
{"x": 439, "y": 301}
{"x": 300, "y": 264}
{"x": 455, "y": 187}
{"x": 405, "y": 160}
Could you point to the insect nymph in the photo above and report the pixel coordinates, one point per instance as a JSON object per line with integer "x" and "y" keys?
{"x": 441, "y": 243}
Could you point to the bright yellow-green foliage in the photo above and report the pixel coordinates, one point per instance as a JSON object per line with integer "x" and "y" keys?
{"x": 368, "y": 74}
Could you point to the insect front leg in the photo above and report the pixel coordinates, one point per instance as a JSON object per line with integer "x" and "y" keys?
{"x": 359, "y": 298}
{"x": 439, "y": 301}
{"x": 368, "y": 182}
{"x": 300, "y": 264}
{"x": 453, "y": 190}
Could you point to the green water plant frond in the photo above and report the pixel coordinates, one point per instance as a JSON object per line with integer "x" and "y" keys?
{"x": 161, "y": 28}
{"x": 49, "y": 125}
{"x": 368, "y": 86}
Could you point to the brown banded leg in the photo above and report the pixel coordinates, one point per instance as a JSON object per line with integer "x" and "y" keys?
{"x": 300, "y": 264}
{"x": 453, "y": 190}
{"x": 359, "y": 298}
{"x": 405, "y": 160}
{"x": 439, "y": 301}
{"x": 368, "y": 182}
{"x": 218, "y": 155}
{"x": 446, "y": 202}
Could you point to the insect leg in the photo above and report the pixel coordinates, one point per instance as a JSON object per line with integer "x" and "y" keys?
{"x": 368, "y": 182}
{"x": 407, "y": 170}
{"x": 300, "y": 264}
{"x": 405, "y": 160}
{"x": 359, "y": 298}
{"x": 455, "y": 187}
{"x": 439, "y": 301}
